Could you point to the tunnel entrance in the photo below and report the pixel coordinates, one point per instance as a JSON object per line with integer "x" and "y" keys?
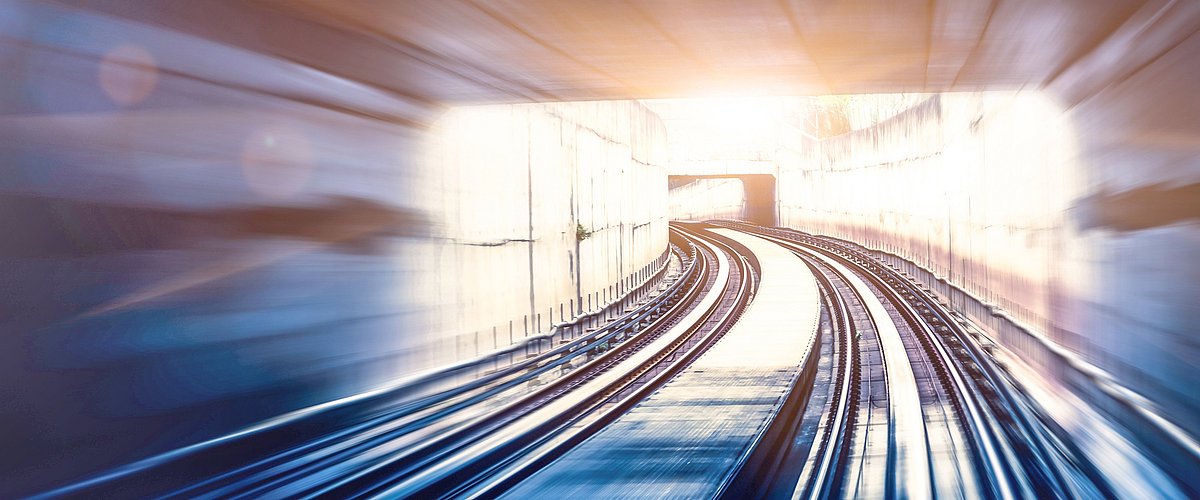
{"x": 758, "y": 202}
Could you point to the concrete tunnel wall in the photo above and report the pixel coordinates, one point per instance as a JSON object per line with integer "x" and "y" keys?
{"x": 508, "y": 186}
{"x": 184, "y": 256}
{"x": 1014, "y": 198}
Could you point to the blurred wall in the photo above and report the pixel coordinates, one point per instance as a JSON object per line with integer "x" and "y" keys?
{"x": 1006, "y": 196}
{"x": 1138, "y": 124}
{"x": 196, "y": 235}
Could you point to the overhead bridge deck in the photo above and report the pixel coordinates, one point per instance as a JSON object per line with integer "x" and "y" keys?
{"x": 692, "y": 436}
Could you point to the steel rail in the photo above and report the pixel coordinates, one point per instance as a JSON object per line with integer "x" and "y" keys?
{"x": 471, "y": 463}
{"x": 500, "y": 475}
{"x": 1032, "y": 471}
{"x": 834, "y": 443}
{"x": 374, "y": 417}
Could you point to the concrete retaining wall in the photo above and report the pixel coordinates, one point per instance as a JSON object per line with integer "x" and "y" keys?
{"x": 997, "y": 193}
{"x": 541, "y": 212}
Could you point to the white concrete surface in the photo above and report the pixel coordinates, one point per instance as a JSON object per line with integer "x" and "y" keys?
{"x": 704, "y": 199}
{"x": 780, "y": 326}
{"x": 996, "y": 193}
{"x": 508, "y": 186}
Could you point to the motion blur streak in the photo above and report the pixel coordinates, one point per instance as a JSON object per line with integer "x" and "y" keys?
{"x": 197, "y": 237}
{"x": 217, "y": 212}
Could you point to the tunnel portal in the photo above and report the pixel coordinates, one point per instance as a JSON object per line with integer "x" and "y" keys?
{"x": 759, "y": 194}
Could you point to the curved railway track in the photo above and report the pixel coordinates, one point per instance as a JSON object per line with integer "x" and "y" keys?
{"x": 915, "y": 407}
{"x": 1009, "y": 452}
{"x": 475, "y": 435}
{"x": 716, "y": 313}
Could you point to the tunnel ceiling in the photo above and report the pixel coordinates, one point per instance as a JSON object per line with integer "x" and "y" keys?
{"x": 603, "y": 49}
{"x": 472, "y": 51}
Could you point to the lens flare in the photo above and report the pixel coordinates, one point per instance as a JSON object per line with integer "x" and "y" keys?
{"x": 128, "y": 74}
{"x": 277, "y": 161}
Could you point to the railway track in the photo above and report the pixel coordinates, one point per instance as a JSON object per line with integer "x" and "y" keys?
{"x": 716, "y": 313}
{"x": 997, "y": 447}
{"x": 915, "y": 407}
{"x": 883, "y": 445}
{"x": 457, "y": 438}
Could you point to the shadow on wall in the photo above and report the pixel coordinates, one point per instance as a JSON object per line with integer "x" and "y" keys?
{"x": 1140, "y": 208}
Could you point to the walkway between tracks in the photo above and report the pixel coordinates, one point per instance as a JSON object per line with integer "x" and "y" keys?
{"x": 688, "y": 438}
